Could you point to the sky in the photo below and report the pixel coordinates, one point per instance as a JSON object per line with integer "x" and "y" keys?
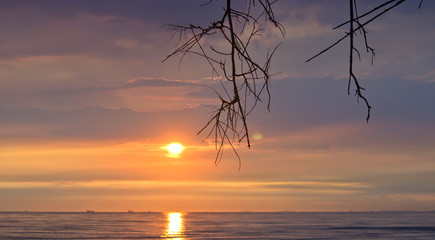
{"x": 87, "y": 107}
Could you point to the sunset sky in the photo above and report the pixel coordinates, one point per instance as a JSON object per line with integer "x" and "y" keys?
{"x": 87, "y": 108}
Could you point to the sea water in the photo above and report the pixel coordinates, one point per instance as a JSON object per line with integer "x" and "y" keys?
{"x": 247, "y": 225}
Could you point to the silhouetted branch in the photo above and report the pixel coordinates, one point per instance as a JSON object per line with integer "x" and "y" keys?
{"x": 248, "y": 80}
{"x": 354, "y": 18}
{"x": 356, "y": 29}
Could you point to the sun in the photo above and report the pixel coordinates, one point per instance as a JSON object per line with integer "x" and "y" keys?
{"x": 175, "y": 149}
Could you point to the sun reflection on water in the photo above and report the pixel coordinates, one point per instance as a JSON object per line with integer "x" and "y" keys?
{"x": 175, "y": 227}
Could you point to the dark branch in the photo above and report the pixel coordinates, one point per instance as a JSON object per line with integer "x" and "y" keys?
{"x": 354, "y": 18}
{"x": 248, "y": 80}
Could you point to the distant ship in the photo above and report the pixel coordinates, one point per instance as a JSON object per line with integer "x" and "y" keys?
{"x": 90, "y": 211}
{"x": 130, "y": 211}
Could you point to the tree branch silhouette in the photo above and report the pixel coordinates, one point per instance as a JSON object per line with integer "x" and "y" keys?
{"x": 360, "y": 22}
{"x": 246, "y": 80}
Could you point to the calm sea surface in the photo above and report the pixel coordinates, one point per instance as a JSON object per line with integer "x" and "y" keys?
{"x": 289, "y": 225}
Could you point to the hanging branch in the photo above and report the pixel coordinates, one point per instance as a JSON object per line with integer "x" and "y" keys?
{"x": 360, "y": 21}
{"x": 352, "y": 76}
{"x": 247, "y": 79}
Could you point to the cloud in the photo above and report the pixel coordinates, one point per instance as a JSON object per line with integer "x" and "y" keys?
{"x": 81, "y": 27}
{"x": 405, "y": 182}
{"x": 131, "y": 84}
{"x": 309, "y": 108}
{"x": 154, "y": 82}
{"x": 91, "y": 123}
{"x": 166, "y": 11}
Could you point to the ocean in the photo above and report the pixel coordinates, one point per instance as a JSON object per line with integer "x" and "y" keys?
{"x": 245, "y": 225}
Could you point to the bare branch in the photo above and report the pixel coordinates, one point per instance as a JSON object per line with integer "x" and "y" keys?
{"x": 354, "y": 18}
{"x": 248, "y": 80}
{"x": 357, "y": 29}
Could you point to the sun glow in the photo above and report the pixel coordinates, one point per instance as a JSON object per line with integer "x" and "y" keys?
{"x": 174, "y": 149}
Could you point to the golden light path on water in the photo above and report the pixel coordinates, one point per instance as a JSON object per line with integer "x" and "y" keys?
{"x": 175, "y": 227}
